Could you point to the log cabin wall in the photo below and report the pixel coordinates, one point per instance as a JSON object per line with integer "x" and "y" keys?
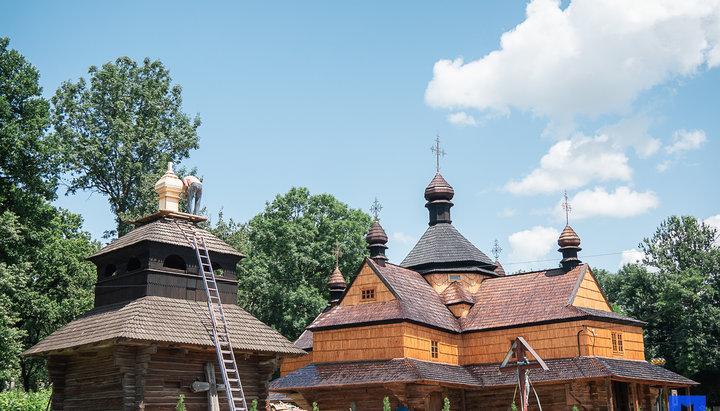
{"x": 370, "y": 398}
{"x": 147, "y": 377}
{"x": 366, "y": 279}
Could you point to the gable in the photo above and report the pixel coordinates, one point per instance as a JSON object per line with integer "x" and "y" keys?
{"x": 366, "y": 280}
{"x": 589, "y": 294}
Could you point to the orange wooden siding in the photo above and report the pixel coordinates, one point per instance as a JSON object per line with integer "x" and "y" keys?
{"x": 366, "y": 279}
{"x": 589, "y": 294}
{"x": 633, "y": 345}
{"x": 373, "y": 342}
{"x": 417, "y": 340}
{"x": 288, "y": 365}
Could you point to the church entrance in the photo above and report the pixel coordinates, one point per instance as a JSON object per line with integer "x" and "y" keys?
{"x": 621, "y": 396}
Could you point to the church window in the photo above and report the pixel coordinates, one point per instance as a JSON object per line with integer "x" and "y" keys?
{"x": 617, "y": 342}
{"x": 454, "y": 278}
{"x": 434, "y": 349}
{"x": 367, "y": 294}
{"x": 110, "y": 270}
{"x": 132, "y": 265}
{"x": 174, "y": 261}
{"x": 217, "y": 270}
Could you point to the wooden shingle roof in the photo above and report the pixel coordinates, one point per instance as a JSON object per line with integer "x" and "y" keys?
{"x": 167, "y": 320}
{"x": 442, "y": 244}
{"x": 166, "y": 231}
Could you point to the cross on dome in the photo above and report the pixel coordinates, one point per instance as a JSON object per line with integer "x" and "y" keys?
{"x": 438, "y": 152}
{"x": 567, "y": 207}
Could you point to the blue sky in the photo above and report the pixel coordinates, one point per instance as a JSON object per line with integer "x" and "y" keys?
{"x": 614, "y": 102}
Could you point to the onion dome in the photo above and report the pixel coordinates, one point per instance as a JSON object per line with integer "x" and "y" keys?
{"x": 568, "y": 238}
{"x": 439, "y": 189}
{"x": 337, "y": 286}
{"x": 376, "y": 240}
{"x": 499, "y": 270}
{"x": 569, "y": 243}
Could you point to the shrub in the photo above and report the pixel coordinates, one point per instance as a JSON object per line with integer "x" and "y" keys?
{"x": 19, "y": 400}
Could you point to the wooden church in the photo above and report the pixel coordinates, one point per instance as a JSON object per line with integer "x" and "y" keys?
{"x": 440, "y": 324}
{"x": 149, "y": 337}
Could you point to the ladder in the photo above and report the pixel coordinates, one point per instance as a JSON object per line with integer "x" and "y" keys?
{"x": 221, "y": 336}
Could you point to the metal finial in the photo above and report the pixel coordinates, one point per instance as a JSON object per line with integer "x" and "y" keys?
{"x": 337, "y": 253}
{"x": 438, "y": 152}
{"x": 496, "y": 250}
{"x": 568, "y": 208}
{"x": 375, "y": 208}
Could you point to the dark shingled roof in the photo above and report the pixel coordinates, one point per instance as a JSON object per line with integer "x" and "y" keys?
{"x": 372, "y": 372}
{"x": 305, "y": 340}
{"x": 563, "y": 369}
{"x": 166, "y": 231}
{"x": 168, "y": 320}
{"x": 416, "y": 301}
{"x": 443, "y": 244}
{"x": 486, "y": 375}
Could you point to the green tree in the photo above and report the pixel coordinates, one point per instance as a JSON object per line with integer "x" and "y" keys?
{"x": 676, "y": 293}
{"x": 289, "y": 247}
{"x": 120, "y": 131}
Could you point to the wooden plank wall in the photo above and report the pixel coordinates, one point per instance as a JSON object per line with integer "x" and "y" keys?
{"x": 589, "y": 294}
{"x": 633, "y": 345}
{"x": 469, "y": 281}
{"x": 366, "y": 278}
{"x": 586, "y": 395}
{"x": 370, "y": 398}
{"x": 416, "y": 340}
{"x": 373, "y": 342}
{"x": 288, "y": 365}
{"x": 90, "y": 381}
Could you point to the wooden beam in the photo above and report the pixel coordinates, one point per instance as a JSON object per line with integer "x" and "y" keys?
{"x": 212, "y": 395}
{"x": 608, "y": 388}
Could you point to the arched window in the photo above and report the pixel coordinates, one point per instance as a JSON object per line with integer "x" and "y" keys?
{"x": 132, "y": 264}
{"x": 217, "y": 269}
{"x": 110, "y": 269}
{"x": 174, "y": 261}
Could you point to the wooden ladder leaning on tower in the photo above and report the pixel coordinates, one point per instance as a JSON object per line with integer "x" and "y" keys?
{"x": 221, "y": 335}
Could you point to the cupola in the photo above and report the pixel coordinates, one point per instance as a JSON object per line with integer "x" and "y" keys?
{"x": 169, "y": 188}
{"x": 337, "y": 286}
{"x": 438, "y": 195}
{"x": 376, "y": 240}
{"x": 569, "y": 243}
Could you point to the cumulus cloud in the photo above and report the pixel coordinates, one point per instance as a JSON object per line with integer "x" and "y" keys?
{"x": 622, "y": 203}
{"x": 632, "y": 256}
{"x": 662, "y": 167}
{"x": 573, "y": 163}
{"x": 714, "y": 221}
{"x": 684, "y": 140}
{"x": 592, "y": 58}
{"x": 403, "y": 238}
{"x": 462, "y": 119}
{"x": 633, "y": 132}
{"x": 532, "y": 245}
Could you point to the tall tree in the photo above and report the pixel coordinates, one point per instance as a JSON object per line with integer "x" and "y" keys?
{"x": 120, "y": 131}
{"x": 676, "y": 292}
{"x": 290, "y": 246}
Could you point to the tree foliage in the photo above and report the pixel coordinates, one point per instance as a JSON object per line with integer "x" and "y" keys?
{"x": 120, "y": 130}
{"x": 676, "y": 292}
{"x": 289, "y": 249}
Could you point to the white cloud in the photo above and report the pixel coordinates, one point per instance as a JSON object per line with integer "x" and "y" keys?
{"x": 462, "y": 119}
{"x": 714, "y": 221}
{"x": 624, "y": 202}
{"x": 594, "y": 57}
{"x": 662, "y": 167}
{"x": 633, "y": 132}
{"x": 573, "y": 163}
{"x": 531, "y": 245}
{"x": 686, "y": 140}
{"x": 630, "y": 257}
{"x": 507, "y": 212}
{"x": 403, "y": 238}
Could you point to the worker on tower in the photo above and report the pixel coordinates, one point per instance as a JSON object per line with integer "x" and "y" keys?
{"x": 192, "y": 190}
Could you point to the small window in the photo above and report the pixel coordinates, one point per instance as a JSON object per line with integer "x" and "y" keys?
{"x": 110, "y": 270}
{"x": 617, "y": 342}
{"x": 132, "y": 264}
{"x": 454, "y": 278}
{"x": 174, "y": 261}
{"x": 367, "y": 294}
{"x": 217, "y": 270}
{"x": 434, "y": 349}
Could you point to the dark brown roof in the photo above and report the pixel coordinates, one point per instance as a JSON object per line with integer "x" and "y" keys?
{"x": 563, "y": 369}
{"x": 439, "y": 189}
{"x": 305, "y": 340}
{"x": 455, "y": 294}
{"x": 165, "y": 230}
{"x": 443, "y": 245}
{"x": 161, "y": 319}
{"x": 416, "y": 301}
{"x": 376, "y": 235}
{"x": 499, "y": 270}
{"x": 412, "y": 370}
{"x": 372, "y": 372}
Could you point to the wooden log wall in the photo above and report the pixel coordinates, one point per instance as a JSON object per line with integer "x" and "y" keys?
{"x": 126, "y": 377}
{"x": 417, "y": 397}
{"x": 586, "y": 395}
{"x": 366, "y": 279}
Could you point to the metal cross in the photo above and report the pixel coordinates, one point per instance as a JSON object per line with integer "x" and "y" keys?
{"x": 566, "y": 206}
{"x": 496, "y": 250}
{"x": 337, "y": 253}
{"x": 375, "y": 208}
{"x": 438, "y": 151}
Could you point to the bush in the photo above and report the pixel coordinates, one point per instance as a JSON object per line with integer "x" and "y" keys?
{"x": 19, "y": 400}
